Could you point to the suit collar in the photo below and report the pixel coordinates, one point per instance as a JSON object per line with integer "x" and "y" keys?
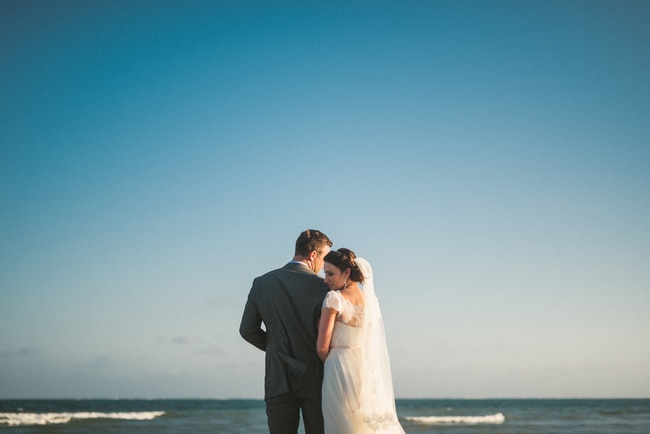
{"x": 298, "y": 266}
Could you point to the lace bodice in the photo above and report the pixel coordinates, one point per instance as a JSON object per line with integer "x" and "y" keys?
{"x": 348, "y": 313}
{"x": 347, "y": 329}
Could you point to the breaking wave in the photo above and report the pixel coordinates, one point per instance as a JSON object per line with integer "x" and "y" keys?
{"x": 494, "y": 419}
{"x": 21, "y": 419}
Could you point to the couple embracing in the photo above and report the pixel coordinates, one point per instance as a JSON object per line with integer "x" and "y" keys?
{"x": 324, "y": 340}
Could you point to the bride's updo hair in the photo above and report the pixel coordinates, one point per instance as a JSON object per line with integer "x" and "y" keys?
{"x": 343, "y": 259}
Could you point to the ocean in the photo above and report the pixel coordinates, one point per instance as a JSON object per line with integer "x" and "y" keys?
{"x": 231, "y": 416}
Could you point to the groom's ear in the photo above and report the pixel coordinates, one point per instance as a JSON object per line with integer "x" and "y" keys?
{"x": 313, "y": 255}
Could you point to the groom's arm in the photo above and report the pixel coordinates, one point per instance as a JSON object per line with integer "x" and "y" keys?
{"x": 250, "y": 327}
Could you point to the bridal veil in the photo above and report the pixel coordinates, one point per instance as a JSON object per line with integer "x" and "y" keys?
{"x": 377, "y": 395}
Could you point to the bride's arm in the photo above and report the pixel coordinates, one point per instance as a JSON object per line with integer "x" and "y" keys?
{"x": 325, "y": 329}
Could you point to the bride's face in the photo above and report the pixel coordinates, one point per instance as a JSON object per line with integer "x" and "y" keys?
{"x": 334, "y": 278}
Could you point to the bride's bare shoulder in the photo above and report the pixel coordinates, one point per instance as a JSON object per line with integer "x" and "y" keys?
{"x": 354, "y": 295}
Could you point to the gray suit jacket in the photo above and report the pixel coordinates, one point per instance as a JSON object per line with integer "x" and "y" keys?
{"x": 288, "y": 301}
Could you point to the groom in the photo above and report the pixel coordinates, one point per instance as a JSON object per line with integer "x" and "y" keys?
{"x": 288, "y": 301}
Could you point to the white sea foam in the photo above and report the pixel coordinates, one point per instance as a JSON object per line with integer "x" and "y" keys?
{"x": 18, "y": 419}
{"x": 493, "y": 419}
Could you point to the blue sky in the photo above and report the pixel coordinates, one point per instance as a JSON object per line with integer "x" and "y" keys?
{"x": 490, "y": 158}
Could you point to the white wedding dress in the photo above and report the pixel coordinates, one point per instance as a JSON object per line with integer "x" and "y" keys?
{"x": 357, "y": 384}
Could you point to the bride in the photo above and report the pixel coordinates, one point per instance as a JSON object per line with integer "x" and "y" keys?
{"x": 357, "y": 385}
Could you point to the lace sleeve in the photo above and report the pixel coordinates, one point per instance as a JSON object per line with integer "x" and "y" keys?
{"x": 333, "y": 300}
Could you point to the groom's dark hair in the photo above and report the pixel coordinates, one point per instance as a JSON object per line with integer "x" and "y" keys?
{"x": 311, "y": 240}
